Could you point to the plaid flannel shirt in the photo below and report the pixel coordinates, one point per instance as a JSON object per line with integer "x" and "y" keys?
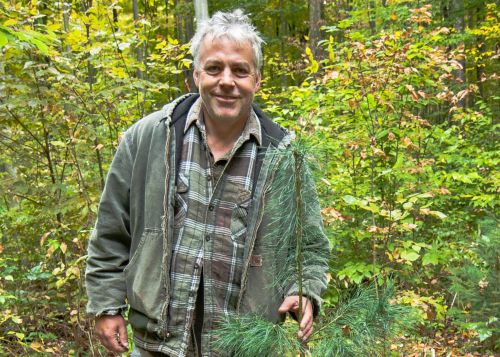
{"x": 212, "y": 201}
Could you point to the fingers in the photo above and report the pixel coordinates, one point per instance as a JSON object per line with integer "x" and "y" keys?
{"x": 306, "y": 324}
{"x": 123, "y": 340}
{"x": 304, "y": 334}
{"x": 112, "y": 333}
{"x": 307, "y": 314}
{"x": 291, "y": 303}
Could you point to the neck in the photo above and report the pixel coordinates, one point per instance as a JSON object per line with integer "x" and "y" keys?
{"x": 221, "y": 135}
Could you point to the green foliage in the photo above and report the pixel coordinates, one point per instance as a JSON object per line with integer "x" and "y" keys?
{"x": 410, "y": 169}
{"x": 476, "y": 285}
{"x": 245, "y": 336}
{"x": 407, "y": 157}
{"x": 66, "y": 94}
{"x": 363, "y": 320}
{"x": 362, "y": 324}
{"x": 292, "y": 187}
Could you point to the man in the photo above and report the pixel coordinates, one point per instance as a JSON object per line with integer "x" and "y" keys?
{"x": 180, "y": 223}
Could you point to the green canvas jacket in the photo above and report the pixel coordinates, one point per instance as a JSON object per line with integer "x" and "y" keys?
{"x": 130, "y": 247}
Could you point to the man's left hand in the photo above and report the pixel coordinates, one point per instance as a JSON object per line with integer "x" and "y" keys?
{"x": 291, "y": 303}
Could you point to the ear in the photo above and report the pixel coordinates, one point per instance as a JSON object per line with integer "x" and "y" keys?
{"x": 258, "y": 78}
{"x": 196, "y": 77}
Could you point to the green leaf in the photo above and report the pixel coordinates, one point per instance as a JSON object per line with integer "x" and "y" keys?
{"x": 58, "y": 143}
{"x": 16, "y": 319}
{"x": 430, "y": 258}
{"x": 350, "y": 200}
{"x": 484, "y": 334}
{"x": 3, "y": 39}
{"x": 438, "y": 214}
{"x": 409, "y": 255}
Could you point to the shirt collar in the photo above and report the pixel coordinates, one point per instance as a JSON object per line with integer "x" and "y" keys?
{"x": 252, "y": 126}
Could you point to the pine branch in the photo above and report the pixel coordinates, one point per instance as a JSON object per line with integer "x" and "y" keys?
{"x": 250, "y": 336}
{"x": 361, "y": 324}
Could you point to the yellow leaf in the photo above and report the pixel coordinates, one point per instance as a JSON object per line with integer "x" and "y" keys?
{"x": 50, "y": 251}
{"x": 44, "y": 237}
{"x": 36, "y": 346}
{"x": 63, "y": 248}
{"x": 10, "y": 22}
{"x": 53, "y": 27}
{"x": 73, "y": 271}
{"x": 16, "y": 319}
{"x": 60, "y": 283}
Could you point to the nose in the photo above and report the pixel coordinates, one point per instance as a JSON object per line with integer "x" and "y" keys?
{"x": 227, "y": 78}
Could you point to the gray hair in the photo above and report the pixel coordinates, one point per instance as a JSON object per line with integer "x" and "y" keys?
{"x": 235, "y": 26}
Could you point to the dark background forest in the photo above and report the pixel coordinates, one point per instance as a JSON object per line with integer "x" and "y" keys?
{"x": 401, "y": 98}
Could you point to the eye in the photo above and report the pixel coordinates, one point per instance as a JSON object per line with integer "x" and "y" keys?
{"x": 241, "y": 72}
{"x": 212, "y": 69}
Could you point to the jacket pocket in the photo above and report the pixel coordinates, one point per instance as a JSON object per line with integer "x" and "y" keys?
{"x": 143, "y": 275}
{"x": 263, "y": 294}
{"x": 239, "y": 217}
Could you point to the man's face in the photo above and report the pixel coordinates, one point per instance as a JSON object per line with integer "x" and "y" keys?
{"x": 227, "y": 79}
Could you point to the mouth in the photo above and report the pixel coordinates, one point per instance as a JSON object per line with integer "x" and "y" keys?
{"x": 226, "y": 98}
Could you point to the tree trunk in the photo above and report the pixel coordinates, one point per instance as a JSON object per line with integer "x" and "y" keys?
{"x": 314, "y": 26}
{"x": 167, "y": 17}
{"x": 200, "y": 11}
{"x": 90, "y": 79}
{"x": 138, "y": 48}
{"x": 457, "y": 12}
{"x": 66, "y": 8}
{"x": 371, "y": 16}
{"x": 178, "y": 20}
{"x": 282, "y": 37}
{"x": 189, "y": 32}
{"x": 444, "y": 9}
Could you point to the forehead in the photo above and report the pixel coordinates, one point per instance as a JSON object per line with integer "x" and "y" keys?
{"x": 225, "y": 48}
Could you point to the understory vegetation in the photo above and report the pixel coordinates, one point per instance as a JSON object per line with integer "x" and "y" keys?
{"x": 397, "y": 99}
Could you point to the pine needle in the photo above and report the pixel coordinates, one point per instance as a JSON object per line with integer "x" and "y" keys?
{"x": 362, "y": 323}
{"x": 250, "y": 336}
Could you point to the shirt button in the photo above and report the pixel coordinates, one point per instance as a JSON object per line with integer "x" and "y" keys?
{"x": 207, "y": 237}
{"x": 211, "y": 207}
{"x": 196, "y": 266}
{"x": 209, "y": 177}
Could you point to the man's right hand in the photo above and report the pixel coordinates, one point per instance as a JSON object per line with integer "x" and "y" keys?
{"x": 112, "y": 332}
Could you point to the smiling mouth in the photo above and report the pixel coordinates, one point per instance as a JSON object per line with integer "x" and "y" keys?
{"x": 226, "y": 98}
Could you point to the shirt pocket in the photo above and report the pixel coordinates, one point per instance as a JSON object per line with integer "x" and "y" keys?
{"x": 180, "y": 204}
{"x": 239, "y": 217}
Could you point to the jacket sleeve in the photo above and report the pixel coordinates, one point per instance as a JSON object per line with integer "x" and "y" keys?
{"x": 315, "y": 244}
{"x": 109, "y": 244}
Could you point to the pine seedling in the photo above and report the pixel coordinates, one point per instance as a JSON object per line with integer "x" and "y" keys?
{"x": 363, "y": 319}
{"x": 292, "y": 196}
{"x": 361, "y": 324}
